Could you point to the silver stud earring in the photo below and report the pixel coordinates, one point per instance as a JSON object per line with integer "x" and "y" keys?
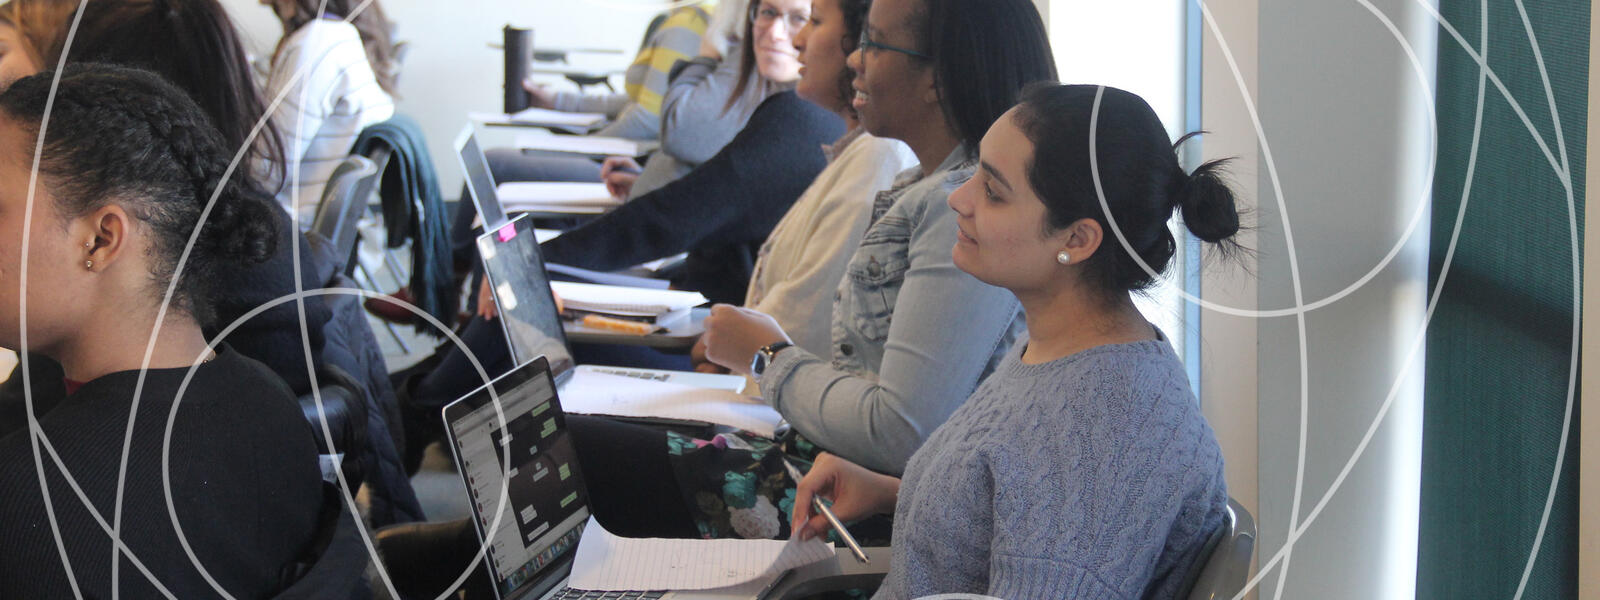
{"x": 1063, "y": 257}
{"x": 89, "y": 244}
{"x": 88, "y": 264}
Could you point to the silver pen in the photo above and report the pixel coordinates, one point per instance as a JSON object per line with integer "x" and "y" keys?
{"x": 827, "y": 513}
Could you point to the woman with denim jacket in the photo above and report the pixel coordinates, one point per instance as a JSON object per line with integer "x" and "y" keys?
{"x": 912, "y": 335}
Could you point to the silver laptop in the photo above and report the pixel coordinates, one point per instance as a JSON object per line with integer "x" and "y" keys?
{"x": 529, "y": 318}
{"x": 529, "y": 501}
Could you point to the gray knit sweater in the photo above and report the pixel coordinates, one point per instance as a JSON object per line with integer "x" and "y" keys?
{"x": 1092, "y": 476}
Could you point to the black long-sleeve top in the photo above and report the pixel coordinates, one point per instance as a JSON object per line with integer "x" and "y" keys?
{"x": 721, "y": 212}
{"x": 245, "y": 486}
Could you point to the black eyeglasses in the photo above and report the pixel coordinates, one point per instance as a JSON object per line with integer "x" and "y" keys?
{"x": 765, "y": 16}
{"x": 866, "y": 44}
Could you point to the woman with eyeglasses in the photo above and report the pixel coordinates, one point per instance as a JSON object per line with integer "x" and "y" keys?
{"x": 722, "y": 211}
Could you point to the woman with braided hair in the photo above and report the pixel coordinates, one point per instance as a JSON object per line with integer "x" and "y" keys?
{"x": 197, "y": 459}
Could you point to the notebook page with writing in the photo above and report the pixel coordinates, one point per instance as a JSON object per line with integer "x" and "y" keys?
{"x": 605, "y": 562}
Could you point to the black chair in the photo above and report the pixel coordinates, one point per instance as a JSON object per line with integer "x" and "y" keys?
{"x": 344, "y": 202}
{"x": 343, "y": 406}
{"x": 335, "y": 565}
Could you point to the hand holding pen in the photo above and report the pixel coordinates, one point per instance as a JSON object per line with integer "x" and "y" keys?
{"x": 619, "y": 173}
{"x": 856, "y": 492}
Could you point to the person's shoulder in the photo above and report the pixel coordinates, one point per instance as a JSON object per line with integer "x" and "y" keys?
{"x": 324, "y": 31}
{"x": 245, "y": 376}
{"x": 883, "y": 154}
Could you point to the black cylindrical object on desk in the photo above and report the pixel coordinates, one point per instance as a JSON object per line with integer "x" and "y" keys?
{"x": 519, "y": 54}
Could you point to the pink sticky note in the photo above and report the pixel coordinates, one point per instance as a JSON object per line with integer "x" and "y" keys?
{"x": 506, "y": 233}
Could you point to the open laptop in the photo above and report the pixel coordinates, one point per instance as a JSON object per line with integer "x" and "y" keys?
{"x": 529, "y": 501}
{"x": 491, "y": 200}
{"x": 529, "y": 318}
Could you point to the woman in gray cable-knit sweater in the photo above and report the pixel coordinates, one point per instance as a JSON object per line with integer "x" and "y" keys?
{"x": 1082, "y": 468}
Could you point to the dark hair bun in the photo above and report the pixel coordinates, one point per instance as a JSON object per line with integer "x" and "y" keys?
{"x": 1208, "y": 204}
{"x": 242, "y": 226}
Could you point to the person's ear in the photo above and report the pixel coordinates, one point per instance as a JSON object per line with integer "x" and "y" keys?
{"x": 1080, "y": 240}
{"x": 930, "y": 87}
{"x": 109, "y": 230}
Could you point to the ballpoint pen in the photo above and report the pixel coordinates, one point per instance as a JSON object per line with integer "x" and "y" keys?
{"x": 827, "y": 513}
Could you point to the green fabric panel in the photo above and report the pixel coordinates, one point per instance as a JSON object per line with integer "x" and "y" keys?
{"x": 1500, "y": 342}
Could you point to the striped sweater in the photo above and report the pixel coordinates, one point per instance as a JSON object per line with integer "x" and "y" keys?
{"x": 326, "y": 93}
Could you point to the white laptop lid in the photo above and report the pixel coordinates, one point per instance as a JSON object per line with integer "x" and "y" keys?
{"x": 480, "y": 182}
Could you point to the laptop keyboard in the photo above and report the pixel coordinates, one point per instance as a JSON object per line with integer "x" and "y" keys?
{"x": 634, "y": 374}
{"x": 572, "y": 594}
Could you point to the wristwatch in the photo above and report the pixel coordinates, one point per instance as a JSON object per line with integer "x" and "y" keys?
{"x": 764, "y": 356}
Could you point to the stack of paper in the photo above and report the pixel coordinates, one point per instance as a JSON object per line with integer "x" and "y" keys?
{"x": 605, "y": 562}
{"x": 555, "y": 197}
{"x": 593, "y": 393}
{"x": 588, "y": 145}
{"x": 652, "y": 305}
{"x": 542, "y": 117}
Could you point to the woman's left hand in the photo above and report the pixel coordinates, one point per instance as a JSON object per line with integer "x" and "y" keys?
{"x": 734, "y": 334}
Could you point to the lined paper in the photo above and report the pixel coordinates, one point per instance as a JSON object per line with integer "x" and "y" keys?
{"x": 605, "y": 562}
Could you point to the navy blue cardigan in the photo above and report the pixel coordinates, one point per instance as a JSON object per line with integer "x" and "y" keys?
{"x": 721, "y": 212}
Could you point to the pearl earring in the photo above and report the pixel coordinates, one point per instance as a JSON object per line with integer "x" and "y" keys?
{"x": 1063, "y": 257}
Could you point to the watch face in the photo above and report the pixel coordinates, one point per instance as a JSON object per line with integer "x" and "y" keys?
{"x": 758, "y": 363}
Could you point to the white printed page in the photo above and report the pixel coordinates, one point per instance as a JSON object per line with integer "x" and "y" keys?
{"x": 541, "y": 117}
{"x": 601, "y": 297}
{"x": 604, "y": 394}
{"x": 605, "y": 562}
{"x": 555, "y": 196}
{"x": 590, "y": 145}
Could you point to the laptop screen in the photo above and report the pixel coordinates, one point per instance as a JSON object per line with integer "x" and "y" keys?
{"x": 521, "y": 288}
{"x": 530, "y": 451}
{"x": 480, "y": 183}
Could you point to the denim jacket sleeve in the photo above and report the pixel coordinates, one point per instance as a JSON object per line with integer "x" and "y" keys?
{"x": 944, "y": 331}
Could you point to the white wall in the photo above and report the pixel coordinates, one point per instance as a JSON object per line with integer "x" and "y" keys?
{"x": 1346, "y": 119}
{"x": 450, "y": 69}
{"x": 1135, "y": 45}
{"x": 1228, "y": 346}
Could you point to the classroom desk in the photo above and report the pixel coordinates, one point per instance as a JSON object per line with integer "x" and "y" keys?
{"x": 681, "y": 336}
{"x": 843, "y": 572}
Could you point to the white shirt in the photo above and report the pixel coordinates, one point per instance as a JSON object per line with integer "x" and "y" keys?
{"x": 804, "y": 258}
{"x": 324, "y": 110}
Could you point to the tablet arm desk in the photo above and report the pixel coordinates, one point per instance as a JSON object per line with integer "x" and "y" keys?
{"x": 842, "y": 572}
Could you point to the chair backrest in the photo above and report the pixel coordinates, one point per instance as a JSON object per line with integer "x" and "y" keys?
{"x": 344, "y": 201}
{"x": 1223, "y": 572}
{"x": 344, "y": 407}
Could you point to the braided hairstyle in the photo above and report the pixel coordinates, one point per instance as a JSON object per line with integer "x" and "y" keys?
{"x": 126, "y": 136}
{"x": 1139, "y": 175}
